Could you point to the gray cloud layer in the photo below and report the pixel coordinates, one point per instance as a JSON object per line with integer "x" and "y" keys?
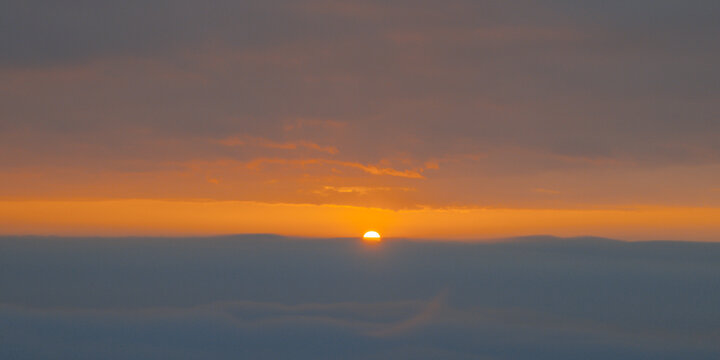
{"x": 266, "y": 297}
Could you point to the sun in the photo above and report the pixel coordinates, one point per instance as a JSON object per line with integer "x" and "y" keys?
{"x": 372, "y": 236}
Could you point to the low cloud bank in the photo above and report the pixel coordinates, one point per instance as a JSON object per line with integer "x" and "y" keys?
{"x": 266, "y": 297}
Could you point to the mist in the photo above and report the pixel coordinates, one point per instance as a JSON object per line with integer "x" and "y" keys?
{"x": 271, "y": 297}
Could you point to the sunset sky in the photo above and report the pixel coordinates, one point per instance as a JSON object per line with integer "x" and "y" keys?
{"x": 455, "y": 119}
{"x": 191, "y": 180}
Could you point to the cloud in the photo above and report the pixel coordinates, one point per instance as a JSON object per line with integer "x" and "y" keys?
{"x": 370, "y": 169}
{"x": 423, "y": 318}
{"x": 586, "y": 95}
{"x": 360, "y": 190}
{"x": 299, "y": 124}
{"x": 289, "y": 145}
{"x": 291, "y": 298}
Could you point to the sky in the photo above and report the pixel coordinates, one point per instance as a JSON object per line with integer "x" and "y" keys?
{"x": 266, "y": 297}
{"x": 427, "y": 119}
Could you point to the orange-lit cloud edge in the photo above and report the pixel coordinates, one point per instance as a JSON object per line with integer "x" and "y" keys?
{"x": 155, "y": 217}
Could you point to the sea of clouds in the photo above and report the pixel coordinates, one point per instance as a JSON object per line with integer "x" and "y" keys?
{"x": 268, "y": 297}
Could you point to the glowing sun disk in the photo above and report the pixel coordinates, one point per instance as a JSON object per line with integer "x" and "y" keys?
{"x": 371, "y": 236}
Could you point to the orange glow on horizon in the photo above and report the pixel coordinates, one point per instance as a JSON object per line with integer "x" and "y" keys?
{"x": 174, "y": 218}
